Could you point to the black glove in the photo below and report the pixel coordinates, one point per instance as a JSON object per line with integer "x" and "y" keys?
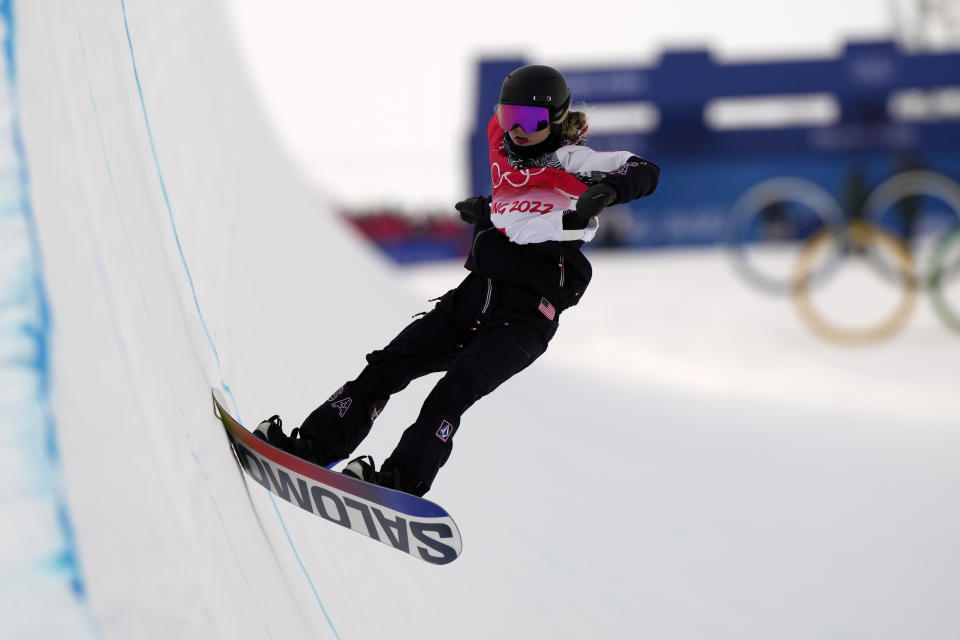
{"x": 592, "y": 201}
{"x": 473, "y": 209}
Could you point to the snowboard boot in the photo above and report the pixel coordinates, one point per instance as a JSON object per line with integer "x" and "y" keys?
{"x": 271, "y": 432}
{"x": 263, "y": 429}
{"x": 364, "y": 468}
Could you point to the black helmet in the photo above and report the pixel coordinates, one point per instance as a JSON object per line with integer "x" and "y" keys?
{"x": 537, "y": 85}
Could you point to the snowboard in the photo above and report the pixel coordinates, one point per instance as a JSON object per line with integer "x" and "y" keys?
{"x": 403, "y": 521}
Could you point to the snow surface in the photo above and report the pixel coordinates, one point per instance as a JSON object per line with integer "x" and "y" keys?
{"x": 696, "y": 464}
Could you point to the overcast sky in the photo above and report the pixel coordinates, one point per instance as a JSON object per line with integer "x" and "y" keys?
{"x": 349, "y": 85}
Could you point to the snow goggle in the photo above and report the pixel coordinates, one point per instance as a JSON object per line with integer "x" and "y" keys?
{"x": 529, "y": 119}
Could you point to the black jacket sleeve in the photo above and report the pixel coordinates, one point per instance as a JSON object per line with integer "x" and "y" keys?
{"x": 635, "y": 179}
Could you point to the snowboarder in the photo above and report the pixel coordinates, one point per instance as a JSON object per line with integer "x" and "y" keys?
{"x": 526, "y": 267}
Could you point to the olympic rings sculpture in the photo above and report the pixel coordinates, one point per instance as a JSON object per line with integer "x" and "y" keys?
{"x": 826, "y": 236}
{"x": 863, "y": 235}
{"x": 943, "y": 269}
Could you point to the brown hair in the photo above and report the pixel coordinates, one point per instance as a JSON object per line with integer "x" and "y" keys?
{"x": 573, "y": 125}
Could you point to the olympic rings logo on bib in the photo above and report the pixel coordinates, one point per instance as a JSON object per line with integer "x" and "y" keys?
{"x": 498, "y": 176}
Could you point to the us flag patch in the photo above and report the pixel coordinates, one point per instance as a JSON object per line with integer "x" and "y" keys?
{"x": 547, "y": 309}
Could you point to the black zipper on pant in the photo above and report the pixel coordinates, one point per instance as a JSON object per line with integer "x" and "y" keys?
{"x": 561, "y": 271}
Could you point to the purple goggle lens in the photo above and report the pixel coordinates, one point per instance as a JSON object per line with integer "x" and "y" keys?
{"x": 530, "y": 119}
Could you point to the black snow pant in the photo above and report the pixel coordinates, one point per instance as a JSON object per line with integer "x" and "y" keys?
{"x": 481, "y": 333}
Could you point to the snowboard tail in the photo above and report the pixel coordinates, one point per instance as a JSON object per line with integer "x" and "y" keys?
{"x": 405, "y": 522}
